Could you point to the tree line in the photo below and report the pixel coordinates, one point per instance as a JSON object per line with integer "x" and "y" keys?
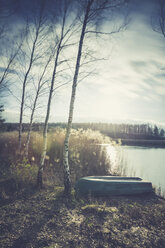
{"x": 127, "y": 131}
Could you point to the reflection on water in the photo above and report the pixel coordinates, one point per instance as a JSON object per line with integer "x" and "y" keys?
{"x": 112, "y": 152}
{"x": 147, "y": 163}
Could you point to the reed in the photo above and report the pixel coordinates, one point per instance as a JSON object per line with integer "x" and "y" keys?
{"x": 86, "y": 156}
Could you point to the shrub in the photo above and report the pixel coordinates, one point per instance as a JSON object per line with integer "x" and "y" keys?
{"x": 24, "y": 172}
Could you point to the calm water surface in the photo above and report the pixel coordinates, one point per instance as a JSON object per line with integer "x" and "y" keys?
{"x": 147, "y": 163}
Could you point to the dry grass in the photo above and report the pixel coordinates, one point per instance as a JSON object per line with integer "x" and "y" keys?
{"x": 86, "y": 156}
{"x": 48, "y": 219}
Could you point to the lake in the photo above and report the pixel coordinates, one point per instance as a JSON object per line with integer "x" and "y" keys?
{"x": 145, "y": 162}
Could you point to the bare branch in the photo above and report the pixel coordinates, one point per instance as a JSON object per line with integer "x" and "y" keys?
{"x": 158, "y": 19}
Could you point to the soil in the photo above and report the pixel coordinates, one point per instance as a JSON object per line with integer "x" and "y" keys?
{"x": 49, "y": 219}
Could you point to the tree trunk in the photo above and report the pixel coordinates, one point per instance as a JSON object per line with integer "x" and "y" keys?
{"x": 41, "y": 167}
{"x": 34, "y": 107}
{"x": 66, "y": 167}
{"x": 38, "y": 28}
{"x": 23, "y": 91}
{"x": 44, "y": 147}
{"x": 30, "y": 128}
{"x": 21, "y": 116}
{"x": 39, "y": 179}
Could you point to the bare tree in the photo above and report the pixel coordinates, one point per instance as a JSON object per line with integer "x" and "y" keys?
{"x": 8, "y": 67}
{"x": 39, "y": 88}
{"x": 8, "y": 50}
{"x": 36, "y": 33}
{"x": 63, "y": 36}
{"x": 7, "y": 9}
{"x": 158, "y": 19}
{"x": 92, "y": 14}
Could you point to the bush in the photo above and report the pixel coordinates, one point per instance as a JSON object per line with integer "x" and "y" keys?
{"x": 24, "y": 172}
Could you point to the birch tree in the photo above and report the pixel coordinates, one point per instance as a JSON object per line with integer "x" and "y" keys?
{"x": 63, "y": 36}
{"x": 39, "y": 89}
{"x": 92, "y": 12}
{"x": 36, "y": 32}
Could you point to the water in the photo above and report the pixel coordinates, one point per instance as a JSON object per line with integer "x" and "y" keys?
{"x": 147, "y": 163}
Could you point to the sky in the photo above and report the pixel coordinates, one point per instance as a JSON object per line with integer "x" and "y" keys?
{"x": 129, "y": 86}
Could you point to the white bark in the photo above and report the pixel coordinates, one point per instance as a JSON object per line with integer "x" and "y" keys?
{"x": 67, "y": 181}
{"x": 30, "y": 125}
{"x": 44, "y": 147}
{"x": 38, "y": 29}
{"x": 24, "y": 86}
{"x": 92, "y": 11}
{"x": 34, "y": 107}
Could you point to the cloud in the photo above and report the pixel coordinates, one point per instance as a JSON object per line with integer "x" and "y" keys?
{"x": 138, "y": 65}
{"x": 160, "y": 90}
{"x": 160, "y": 75}
{"x": 130, "y": 84}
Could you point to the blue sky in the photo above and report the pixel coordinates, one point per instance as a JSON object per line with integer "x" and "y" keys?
{"x": 129, "y": 85}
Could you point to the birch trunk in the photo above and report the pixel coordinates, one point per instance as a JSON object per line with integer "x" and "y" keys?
{"x": 34, "y": 107}
{"x": 44, "y": 147}
{"x": 37, "y": 33}
{"x": 66, "y": 167}
{"x": 23, "y": 90}
{"x": 30, "y": 127}
{"x": 20, "y": 119}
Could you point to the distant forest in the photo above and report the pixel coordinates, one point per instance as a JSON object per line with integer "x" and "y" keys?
{"x": 123, "y": 131}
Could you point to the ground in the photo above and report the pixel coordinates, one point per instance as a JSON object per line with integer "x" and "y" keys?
{"x": 48, "y": 219}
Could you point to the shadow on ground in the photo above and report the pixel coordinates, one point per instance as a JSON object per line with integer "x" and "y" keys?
{"x": 50, "y": 219}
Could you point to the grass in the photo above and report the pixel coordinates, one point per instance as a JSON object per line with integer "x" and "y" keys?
{"x": 85, "y": 156}
{"x": 48, "y": 219}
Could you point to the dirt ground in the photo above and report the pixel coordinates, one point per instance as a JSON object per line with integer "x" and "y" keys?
{"x": 49, "y": 219}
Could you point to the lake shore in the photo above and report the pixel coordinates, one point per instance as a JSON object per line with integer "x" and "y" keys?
{"x": 48, "y": 219}
{"x": 143, "y": 142}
